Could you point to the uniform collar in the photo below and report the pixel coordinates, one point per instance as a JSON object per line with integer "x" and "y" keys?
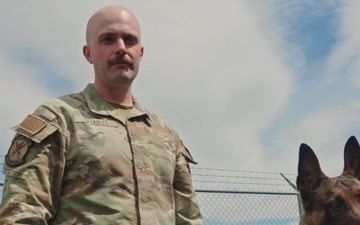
{"x": 98, "y": 106}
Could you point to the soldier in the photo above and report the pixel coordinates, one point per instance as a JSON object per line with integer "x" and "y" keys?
{"x": 98, "y": 157}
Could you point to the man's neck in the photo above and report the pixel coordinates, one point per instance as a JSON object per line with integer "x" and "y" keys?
{"x": 118, "y": 95}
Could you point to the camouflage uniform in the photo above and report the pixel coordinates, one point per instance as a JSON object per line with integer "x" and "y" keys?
{"x": 78, "y": 160}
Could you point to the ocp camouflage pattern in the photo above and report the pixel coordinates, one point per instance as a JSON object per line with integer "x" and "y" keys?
{"x": 90, "y": 165}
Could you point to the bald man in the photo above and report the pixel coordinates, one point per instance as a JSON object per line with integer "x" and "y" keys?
{"x": 98, "y": 157}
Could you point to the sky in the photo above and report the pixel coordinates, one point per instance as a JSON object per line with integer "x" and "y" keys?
{"x": 243, "y": 82}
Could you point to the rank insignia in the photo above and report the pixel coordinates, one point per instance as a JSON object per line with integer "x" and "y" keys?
{"x": 18, "y": 150}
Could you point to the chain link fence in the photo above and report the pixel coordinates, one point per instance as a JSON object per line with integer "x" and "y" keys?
{"x": 229, "y": 197}
{"x": 248, "y": 208}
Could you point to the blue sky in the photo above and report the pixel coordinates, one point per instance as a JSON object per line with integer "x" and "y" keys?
{"x": 244, "y": 82}
{"x": 312, "y": 29}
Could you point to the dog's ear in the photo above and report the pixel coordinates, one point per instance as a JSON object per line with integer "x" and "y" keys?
{"x": 309, "y": 173}
{"x": 352, "y": 157}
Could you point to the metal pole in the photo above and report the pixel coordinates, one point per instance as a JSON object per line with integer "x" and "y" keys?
{"x": 301, "y": 209}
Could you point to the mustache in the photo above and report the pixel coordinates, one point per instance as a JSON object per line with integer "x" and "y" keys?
{"x": 121, "y": 59}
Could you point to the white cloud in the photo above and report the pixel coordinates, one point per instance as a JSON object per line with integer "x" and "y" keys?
{"x": 345, "y": 61}
{"x": 21, "y": 92}
{"x": 325, "y": 131}
{"x": 222, "y": 80}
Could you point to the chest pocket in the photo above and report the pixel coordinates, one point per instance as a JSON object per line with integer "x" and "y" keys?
{"x": 97, "y": 146}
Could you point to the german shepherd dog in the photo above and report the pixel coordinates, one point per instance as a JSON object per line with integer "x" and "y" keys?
{"x": 330, "y": 201}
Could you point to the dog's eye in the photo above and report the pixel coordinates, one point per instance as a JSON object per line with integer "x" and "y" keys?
{"x": 337, "y": 205}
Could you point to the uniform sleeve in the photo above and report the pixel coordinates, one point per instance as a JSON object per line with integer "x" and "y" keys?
{"x": 33, "y": 171}
{"x": 186, "y": 206}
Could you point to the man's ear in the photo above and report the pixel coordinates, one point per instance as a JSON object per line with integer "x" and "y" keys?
{"x": 141, "y": 52}
{"x": 86, "y": 53}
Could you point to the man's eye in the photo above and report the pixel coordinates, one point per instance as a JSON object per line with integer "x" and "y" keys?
{"x": 130, "y": 41}
{"x": 107, "y": 39}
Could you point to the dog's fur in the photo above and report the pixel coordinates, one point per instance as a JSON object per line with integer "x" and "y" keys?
{"x": 330, "y": 201}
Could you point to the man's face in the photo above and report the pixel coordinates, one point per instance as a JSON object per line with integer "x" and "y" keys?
{"x": 114, "y": 47}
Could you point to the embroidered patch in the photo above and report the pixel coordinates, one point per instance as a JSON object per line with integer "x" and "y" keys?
{"x": 101, "y": 122}
{"x": 32, "y": 124}
{"x": 18, "y": 150}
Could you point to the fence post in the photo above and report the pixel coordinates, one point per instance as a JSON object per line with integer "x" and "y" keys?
{"x": 298, "y": 194}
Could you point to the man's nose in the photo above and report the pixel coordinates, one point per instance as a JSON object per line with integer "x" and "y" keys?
{"x": 121, "y": 47}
